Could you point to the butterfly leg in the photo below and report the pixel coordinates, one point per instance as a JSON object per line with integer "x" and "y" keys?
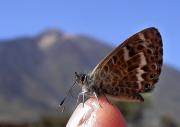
{"x": 83, "y": 95}
{"x": 97, "y": 99}
{"x": 78, "y": 99}
{"x": 106, "y": 98}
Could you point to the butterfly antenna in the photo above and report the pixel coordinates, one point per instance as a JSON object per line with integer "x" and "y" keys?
{"x": 62, "y": 102}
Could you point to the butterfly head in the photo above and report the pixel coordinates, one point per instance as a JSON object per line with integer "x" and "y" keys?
{"x": 80, "y": 78}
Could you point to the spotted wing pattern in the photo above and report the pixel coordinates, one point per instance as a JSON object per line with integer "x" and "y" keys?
{"x": 132, "y": 68}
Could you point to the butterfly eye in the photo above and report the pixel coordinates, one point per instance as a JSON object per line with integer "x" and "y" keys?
{"x": 82, "y": 78}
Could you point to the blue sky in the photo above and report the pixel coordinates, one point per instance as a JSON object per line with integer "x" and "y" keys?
{"x": 111, "y": 21}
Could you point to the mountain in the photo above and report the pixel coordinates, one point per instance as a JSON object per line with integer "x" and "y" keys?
{"x": 166, "y": 97}
{"x": 36, "y": 72}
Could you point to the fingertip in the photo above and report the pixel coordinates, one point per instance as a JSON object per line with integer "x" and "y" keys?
{"x": 97, "y": 114}
{"x": 109, "y": 115}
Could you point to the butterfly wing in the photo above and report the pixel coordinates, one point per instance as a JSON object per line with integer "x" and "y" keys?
{"x": 131, "y": 68}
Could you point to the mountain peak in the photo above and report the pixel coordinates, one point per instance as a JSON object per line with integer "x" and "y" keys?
{"x": 52, "y": 31}
{"x": 49, "y": 37}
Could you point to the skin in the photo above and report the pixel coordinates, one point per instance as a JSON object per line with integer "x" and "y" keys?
{"x": 96, "y": 114}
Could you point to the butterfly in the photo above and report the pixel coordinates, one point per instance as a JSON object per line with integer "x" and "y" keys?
{"x": 128, "y": 71}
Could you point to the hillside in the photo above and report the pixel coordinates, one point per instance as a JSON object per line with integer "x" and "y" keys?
{"x": 36, "y": 72}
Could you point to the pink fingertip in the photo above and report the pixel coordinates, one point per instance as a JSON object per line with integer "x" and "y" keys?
{"x": 96, "y": 114}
